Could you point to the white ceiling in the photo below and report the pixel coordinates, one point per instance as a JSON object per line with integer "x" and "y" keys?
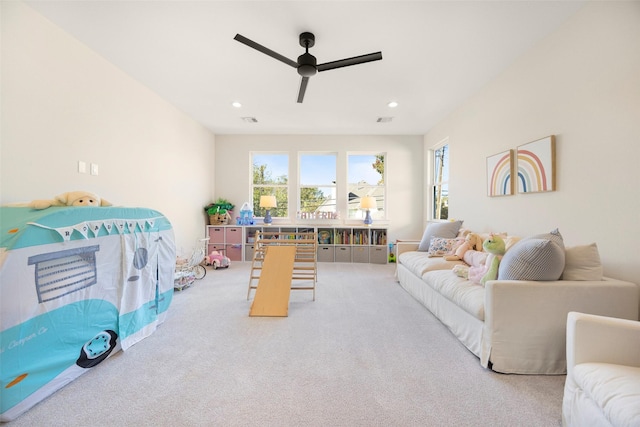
{"x": 436, "y": 54}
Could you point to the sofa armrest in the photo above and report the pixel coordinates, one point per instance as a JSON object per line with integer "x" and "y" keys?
{"x": 526, "y": 320}
{"x": 406, "y": 246}
{"x": 592, "y": 338}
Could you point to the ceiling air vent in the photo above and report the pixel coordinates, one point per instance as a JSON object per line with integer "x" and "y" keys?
{"x": 250, "y": 119}
{"x": 384, "y": 119}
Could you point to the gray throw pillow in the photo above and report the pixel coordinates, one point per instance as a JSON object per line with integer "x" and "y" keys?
{"x": 446, "y": 229}
{"x": 538, "y": 257}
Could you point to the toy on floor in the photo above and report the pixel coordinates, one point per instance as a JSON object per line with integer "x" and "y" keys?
{"x": 217, "y": 260}
{"x": 190, "y": 269}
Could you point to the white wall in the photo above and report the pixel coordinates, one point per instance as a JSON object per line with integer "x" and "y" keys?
{"x": 582, "y": 84}
{"x": 403, "y": 164}
{"x": 61, "y": 103}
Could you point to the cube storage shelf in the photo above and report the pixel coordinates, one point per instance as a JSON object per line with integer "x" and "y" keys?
{"x": 335, "y": 243}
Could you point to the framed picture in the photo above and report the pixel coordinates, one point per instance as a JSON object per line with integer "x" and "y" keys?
{"x": 499, "y": 174}
{"x": 536, "y": 170}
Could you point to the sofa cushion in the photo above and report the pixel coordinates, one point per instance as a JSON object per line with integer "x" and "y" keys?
{"x": 441, "y": 246}
{"x": 446, "y": 229}
{"x": 419, "y": 262}
{"x": 614, "y": 388}
{"x": 582, "y": 263}
{"x": 538, "y": 257}
{"x": 462, "y": 292}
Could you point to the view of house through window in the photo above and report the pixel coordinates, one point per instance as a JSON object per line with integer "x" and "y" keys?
{"x": 270, "y": 178}
{"x": 366, "y": 178}
{"x": 317, "y": 185}
{"x": 441, "y": 183}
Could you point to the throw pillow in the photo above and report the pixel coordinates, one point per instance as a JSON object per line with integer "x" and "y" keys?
{"x": 582, "y": 263}
{"x": 538, "y": 257}
{"x": 446, "y": 229}
{"x": 441, "y": 246}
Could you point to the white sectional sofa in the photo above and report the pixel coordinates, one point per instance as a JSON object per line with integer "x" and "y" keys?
{"x": 513, "y": 326}
{"x": 603, "y": 372}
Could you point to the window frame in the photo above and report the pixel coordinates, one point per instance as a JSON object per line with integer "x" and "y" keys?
{"x": 358, "y": 214}
{"x": 300, "y": 186}
{"x": 275, "y": 213}
{"x": 435, "y": 183}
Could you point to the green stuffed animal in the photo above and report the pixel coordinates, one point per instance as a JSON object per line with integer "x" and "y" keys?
{"x": 496, "y": 247}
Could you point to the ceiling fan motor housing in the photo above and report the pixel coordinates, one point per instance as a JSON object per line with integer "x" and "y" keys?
{"x": 307, "y": 65}
{"x": 306, "y": 61}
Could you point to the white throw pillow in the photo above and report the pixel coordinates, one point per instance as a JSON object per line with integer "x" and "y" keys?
{"x": 446, "y": 229}
{"x": 582, "y": 263}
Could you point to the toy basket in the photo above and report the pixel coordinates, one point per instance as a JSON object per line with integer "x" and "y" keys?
{"x": 219, "y": 219}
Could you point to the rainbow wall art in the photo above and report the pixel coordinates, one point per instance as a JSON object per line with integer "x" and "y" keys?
{"x": 536, "y": 166}
{"x": 499, "y": 173}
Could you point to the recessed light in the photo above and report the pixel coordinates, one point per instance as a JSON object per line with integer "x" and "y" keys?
{"x": 236, "y": 104}
{"x": 392, "y": 104}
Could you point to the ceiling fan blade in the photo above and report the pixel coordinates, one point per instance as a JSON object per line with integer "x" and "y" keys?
{"x": 303, "y": 88}
{"x": 266, "y": 51}
{"x": 350, "y": 61}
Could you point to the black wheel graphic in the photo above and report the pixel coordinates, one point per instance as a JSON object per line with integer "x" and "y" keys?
{"x": 199, "y": 271}
{"x": 97, "y": 349}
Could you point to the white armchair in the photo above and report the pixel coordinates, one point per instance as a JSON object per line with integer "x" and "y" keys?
{"x": 603, "y": 372}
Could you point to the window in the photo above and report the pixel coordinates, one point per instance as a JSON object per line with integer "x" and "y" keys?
{"x": 270, "y": 177}
{"x": 366, "y": 177}
{"x": 317, "y": 185}
{"x": 440, "y": 188}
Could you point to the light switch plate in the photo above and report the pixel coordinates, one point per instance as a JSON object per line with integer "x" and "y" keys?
{"x": 82, "y": 167}
{"x": 94, "y": 169}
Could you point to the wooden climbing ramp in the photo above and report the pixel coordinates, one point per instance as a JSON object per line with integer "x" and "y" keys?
{"x": 279, "y": 259}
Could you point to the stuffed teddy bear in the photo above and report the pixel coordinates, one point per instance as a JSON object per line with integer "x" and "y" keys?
{"x": 472, "y": 241}
{"x": 71, "y": 198}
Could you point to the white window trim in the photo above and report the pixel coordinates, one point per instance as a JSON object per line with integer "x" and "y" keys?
{"x": 431, "y": 182}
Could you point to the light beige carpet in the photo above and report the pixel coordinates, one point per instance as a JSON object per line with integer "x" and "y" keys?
{"x": 365, "y": 353}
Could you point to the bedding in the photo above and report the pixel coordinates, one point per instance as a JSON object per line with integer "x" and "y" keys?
{"x": 77, "y": 284}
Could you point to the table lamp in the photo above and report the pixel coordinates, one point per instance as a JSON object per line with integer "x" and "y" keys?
{"x": 268, "y": 202}
{"x": 368, "y": 202}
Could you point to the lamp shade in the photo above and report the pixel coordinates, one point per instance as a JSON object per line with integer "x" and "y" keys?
{"x": 368, "y": 202}
{"x": 268, "y": 202}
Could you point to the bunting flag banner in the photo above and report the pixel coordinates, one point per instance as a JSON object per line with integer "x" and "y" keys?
{"x": 82, "y": 228}
{"x": 121, "y": 226}
{"x": 131, "y": 226}
{"x": 95, "y": 227}
{"x": 65, "y": 232}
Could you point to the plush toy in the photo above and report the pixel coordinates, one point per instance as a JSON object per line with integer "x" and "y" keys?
{"x": 461, "y": 271}
{"x": 496, "y": 247}
{"x": 482, "y": 266}
{"x": 72, "y": 198}
{"x": 472, "y": 241}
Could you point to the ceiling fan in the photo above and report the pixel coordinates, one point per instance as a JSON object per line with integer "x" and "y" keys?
{"x": 306, "y": 64}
